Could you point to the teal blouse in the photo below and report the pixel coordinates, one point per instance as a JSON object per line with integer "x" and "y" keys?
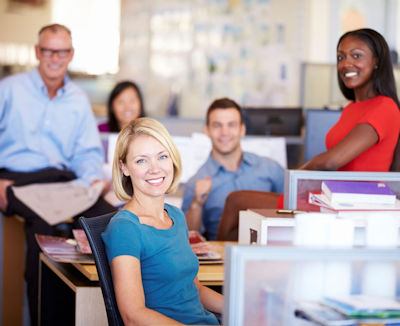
{"x": 168, "y": 264}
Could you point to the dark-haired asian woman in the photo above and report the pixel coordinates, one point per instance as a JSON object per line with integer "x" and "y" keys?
{"x": 124, "y": 104}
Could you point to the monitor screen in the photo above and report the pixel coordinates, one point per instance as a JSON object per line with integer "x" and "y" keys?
{"x": 279, "y": 121}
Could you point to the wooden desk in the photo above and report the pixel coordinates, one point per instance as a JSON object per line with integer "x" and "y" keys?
{"x": 13, "y": 266}
{"x": 209, "y": 274}
{"x": 66, "y": 297}
{"x": 73, "y": 291}
{"x": 213, "y": 274}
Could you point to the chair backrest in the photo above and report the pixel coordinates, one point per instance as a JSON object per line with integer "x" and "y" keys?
{"x": 239, "y": 200}
{"x": 93, "y": 228}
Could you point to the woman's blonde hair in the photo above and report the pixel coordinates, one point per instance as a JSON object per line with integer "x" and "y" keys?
{"x": 142, "y": 126}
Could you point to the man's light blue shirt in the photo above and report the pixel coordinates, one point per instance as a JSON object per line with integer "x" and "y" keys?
{"x": 254, "y": 173}
{"x": 37, "y": 132}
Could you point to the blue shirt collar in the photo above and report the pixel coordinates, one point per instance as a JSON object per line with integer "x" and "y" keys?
{"x": 38, "y": 82}
{"x": 249, "y": 159}
{"x": 214, "y": 167}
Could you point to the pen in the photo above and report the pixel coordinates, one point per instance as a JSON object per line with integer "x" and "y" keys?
{"x": 289, "y": 211}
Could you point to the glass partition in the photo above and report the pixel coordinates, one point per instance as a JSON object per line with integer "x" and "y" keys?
{"x": 298, "y": 184}
{"x": 264, "y": 285}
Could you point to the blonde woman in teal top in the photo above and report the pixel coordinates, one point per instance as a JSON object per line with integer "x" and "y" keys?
{"x": 153, "y": 267}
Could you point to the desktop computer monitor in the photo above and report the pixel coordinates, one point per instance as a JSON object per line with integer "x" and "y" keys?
{"x": 277, "y": 121}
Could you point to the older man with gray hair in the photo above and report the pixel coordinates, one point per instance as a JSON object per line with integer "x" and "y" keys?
{"x": 48, "y": 134}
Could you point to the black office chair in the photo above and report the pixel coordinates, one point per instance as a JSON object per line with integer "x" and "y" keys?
{"x": 93, "y": 227}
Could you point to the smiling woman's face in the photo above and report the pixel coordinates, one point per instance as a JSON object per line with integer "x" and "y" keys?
{"x": 355, "y": 64}
{"x": 126, "y": 106}
{"x": 149, "y": 165}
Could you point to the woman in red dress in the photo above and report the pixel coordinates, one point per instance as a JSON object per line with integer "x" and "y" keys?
{"x": 366, "y": 135}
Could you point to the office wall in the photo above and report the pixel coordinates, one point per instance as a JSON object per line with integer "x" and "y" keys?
{"x": 252, "y": 51}
{"x": 190, "y": 52}
{"x": 328, "y": 20}
{"x": 195, "y": 51}
{"x": 317, "y": 31}
{"x": 20, "y": 23}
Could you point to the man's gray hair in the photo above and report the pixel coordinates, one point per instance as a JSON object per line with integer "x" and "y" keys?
{"x": 55, "y": 28}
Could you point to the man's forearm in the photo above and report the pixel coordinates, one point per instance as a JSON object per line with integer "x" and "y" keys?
{"x": 88, "y": 167}
{"x": 193, "y": 216}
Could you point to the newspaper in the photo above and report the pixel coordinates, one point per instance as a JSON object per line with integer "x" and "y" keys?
{"x": 59, "y": 201}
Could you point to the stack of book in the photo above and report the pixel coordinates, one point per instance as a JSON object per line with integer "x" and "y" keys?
{"x": 351, "y": 310}
{"x": 346, "y": 198}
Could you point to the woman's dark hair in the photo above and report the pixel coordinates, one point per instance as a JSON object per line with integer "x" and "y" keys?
{"x": 118, "y": 89}
{"x": 382, "y": 77}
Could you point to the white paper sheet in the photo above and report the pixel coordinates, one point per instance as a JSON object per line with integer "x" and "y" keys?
{"x": 58, "y": 201}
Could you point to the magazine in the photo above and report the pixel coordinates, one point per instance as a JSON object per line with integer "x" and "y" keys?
{"x": 62, "y": 249}
{"x": 328, "y": 314}
{"x": 82, "y": 241}
{"x": 203, "y": 249}
{"x": 315, "y": 311}
{"x": 364, "y": 306}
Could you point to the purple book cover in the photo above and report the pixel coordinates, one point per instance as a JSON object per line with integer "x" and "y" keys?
{"x": 359, "y": 187}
